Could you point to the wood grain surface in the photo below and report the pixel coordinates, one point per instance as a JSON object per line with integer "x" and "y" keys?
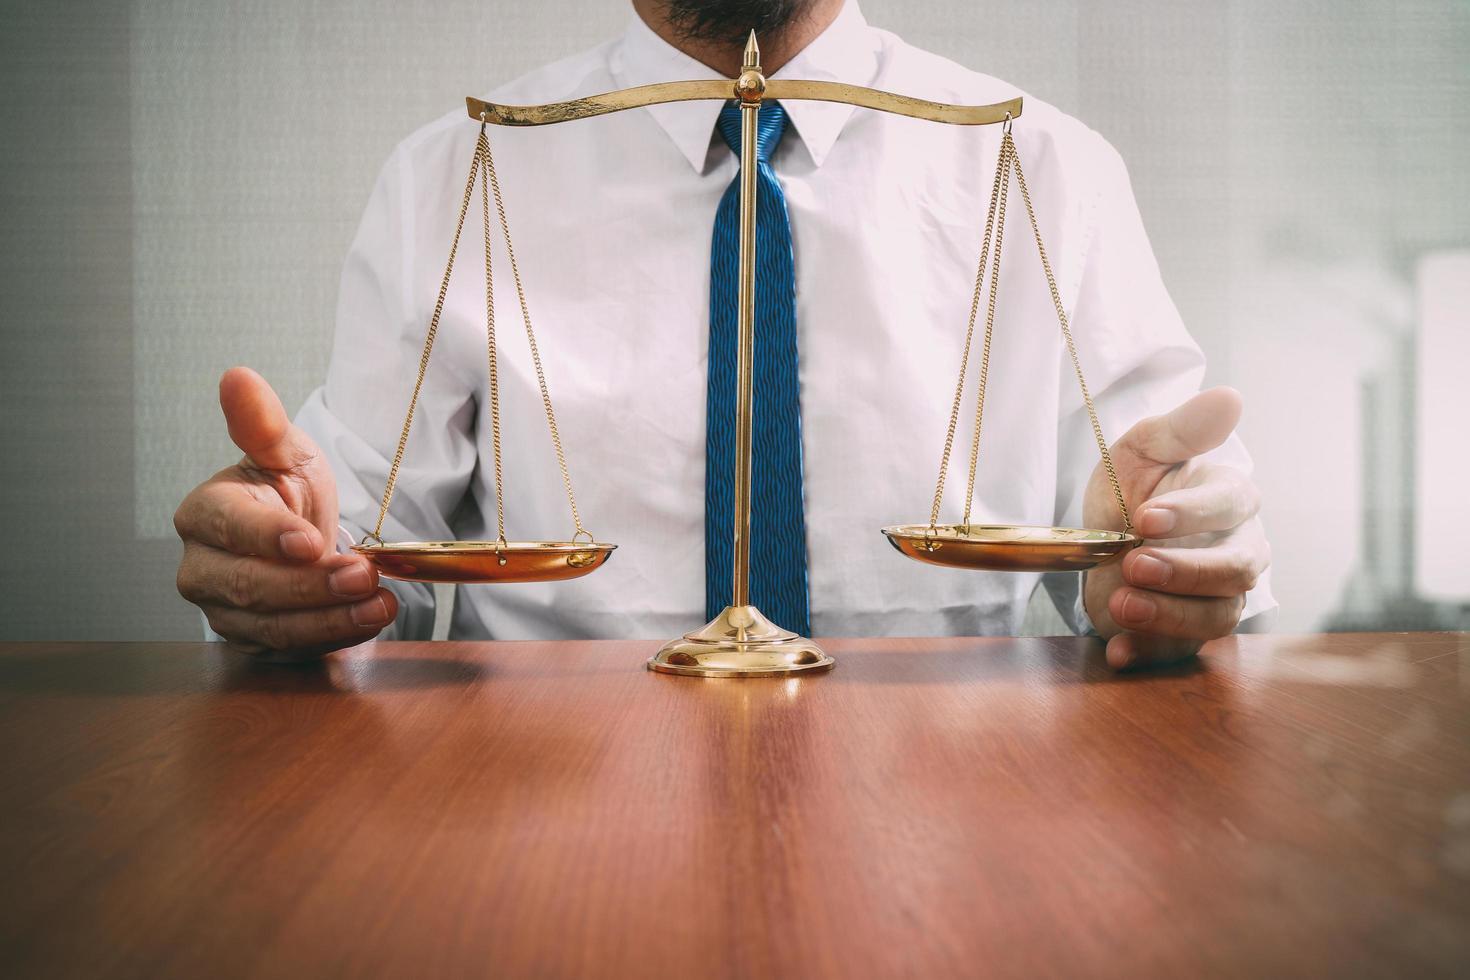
{"x": 1285, "y": 806}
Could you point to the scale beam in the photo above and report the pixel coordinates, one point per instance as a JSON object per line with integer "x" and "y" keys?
{"x": 902, "y": 105}
{"x": 723, "y": 90}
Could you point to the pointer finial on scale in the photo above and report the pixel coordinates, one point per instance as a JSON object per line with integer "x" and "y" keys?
{"x": 751, "y": 84}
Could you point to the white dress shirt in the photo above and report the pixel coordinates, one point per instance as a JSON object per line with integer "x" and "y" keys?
{"x": 612, "y": 220}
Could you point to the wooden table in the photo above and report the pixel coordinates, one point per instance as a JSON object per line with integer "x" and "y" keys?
{"x": 1284, "y": 806}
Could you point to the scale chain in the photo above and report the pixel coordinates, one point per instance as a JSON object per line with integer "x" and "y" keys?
{"x": 1008, "y": 160}
{"x": 482, "y": 166}
{"x": 954, "y": 413}
{"x": 561, "y": 458}
{"x": 1008, "y": 152}
{"x": 1056, "y": 298}
{"x": 418, "y": 384}
{"x": 482, "y": 151}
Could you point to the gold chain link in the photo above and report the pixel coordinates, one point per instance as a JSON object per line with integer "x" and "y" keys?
{"x": 483, "y": 167}
{"x": 464, "y": 206}
{"x": 959, "y": 391}
{"x": 1008, "y": 151}
{"x": 482, "y": 150}
{"x": 1056, "y": 298}
{"x": 561, "y": 458}
{"x": 1008, "y": 160}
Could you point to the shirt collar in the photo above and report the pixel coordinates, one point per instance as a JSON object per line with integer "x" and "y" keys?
{"x": 847, "y": 51}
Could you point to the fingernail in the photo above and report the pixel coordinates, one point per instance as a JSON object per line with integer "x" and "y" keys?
{"x": 350, "y": 580}
{"x": 1148, "y": 570}
{"x": 370, "y": 612}
{"x": 1138, "y": 608}
{"x": 1157, "y": 523}
{"x": 297, "y": 545}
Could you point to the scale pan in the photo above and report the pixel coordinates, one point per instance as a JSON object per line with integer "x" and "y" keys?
{"x": 1009, "y": 547}
{"x": 481, "y": 561}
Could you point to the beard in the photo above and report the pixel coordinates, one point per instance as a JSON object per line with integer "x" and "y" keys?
{"x": 729, "y": 21}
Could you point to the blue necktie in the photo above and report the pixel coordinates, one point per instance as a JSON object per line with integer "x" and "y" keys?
{"x": 778, "y": 576}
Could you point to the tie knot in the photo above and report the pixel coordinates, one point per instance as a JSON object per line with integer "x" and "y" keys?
{"x": 770, "y": 124}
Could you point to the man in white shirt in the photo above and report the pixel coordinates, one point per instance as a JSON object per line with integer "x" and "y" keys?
{"x": 612, "y": 221}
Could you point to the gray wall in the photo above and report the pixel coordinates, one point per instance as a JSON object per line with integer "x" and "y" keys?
{"x": 181, "y": 183}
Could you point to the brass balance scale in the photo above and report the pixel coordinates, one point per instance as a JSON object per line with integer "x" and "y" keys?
{"x": 741, "y": 642}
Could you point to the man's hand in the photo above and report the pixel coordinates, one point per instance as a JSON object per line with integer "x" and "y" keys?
{"x": 1204, "y": 546}
{"x": 259, "y": 556}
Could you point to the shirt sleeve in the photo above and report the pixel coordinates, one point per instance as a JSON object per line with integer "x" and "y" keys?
{"x": 357, "y": 416}
{"x": 1137, "y": 356}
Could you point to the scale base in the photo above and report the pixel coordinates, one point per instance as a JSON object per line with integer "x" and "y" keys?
{"x": 740, "y": 642}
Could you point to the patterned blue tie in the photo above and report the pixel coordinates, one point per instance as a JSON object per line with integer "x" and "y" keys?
{"x": 778, "y": 577}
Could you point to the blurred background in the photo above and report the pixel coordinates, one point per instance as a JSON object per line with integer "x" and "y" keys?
{"x": 181, "y": 179}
